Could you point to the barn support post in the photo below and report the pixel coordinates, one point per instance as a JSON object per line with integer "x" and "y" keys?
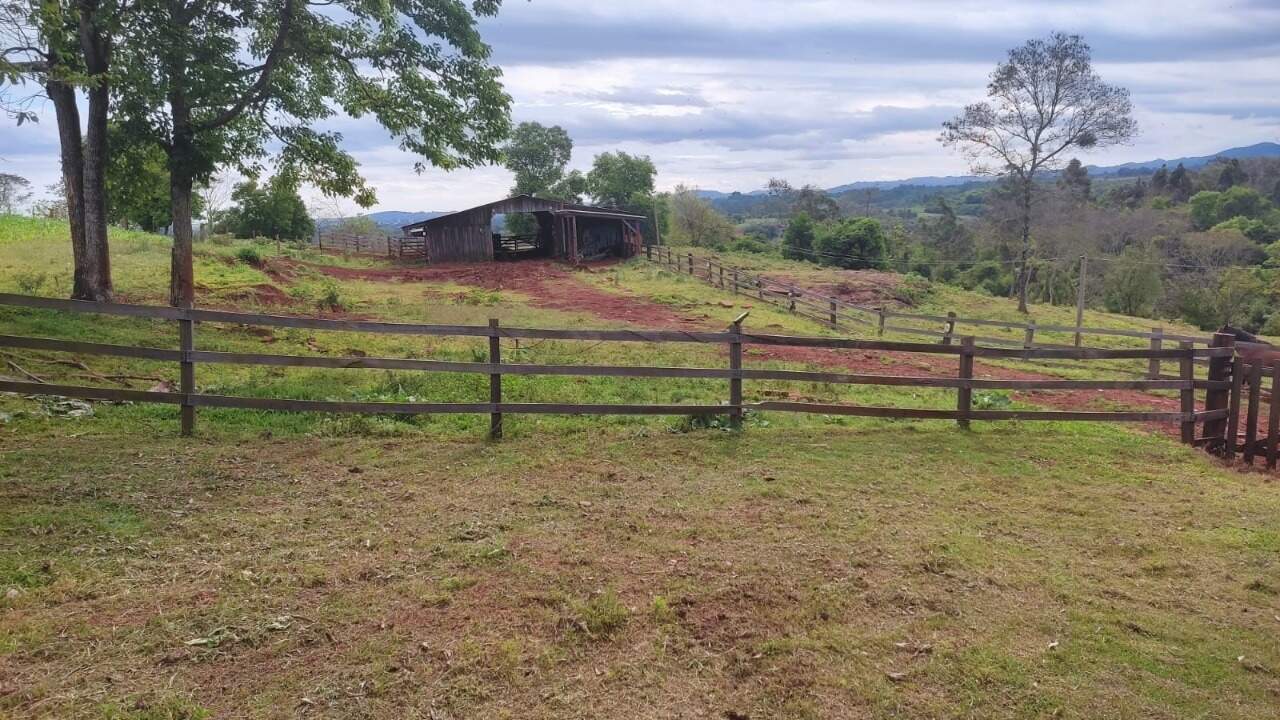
{"x": 187, "y": 374}
{"x": 1218, "y": 399}
{"x": 495, "y": 380}
{"x": 1157, "y": 343}
{"x": 964, "y": 396}
{"x": 1187, "y": 371}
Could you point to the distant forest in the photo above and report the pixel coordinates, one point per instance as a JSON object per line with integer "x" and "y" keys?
{"x": 1202, "y": 245}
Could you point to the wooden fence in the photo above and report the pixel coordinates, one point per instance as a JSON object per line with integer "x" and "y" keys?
{"x": 841, "y": 314}
{"x": 396, "y": 248}
{"x": 188, "y": 357}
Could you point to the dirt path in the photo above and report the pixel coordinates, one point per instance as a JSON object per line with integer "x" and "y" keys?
{"x": 555, "y": 286}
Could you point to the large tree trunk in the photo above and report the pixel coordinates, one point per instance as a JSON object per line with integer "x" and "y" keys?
{"x": 182, "y": 291}
{"x": 68, "y": 116}
{"x": 97, "y": 53}
{"x": 1024, "y": 272}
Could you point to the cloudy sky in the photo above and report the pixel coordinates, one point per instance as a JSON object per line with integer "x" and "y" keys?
{"x": 724, "y": 94}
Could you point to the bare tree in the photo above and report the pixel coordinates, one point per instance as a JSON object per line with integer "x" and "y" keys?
{"x": 1044, "y": 99}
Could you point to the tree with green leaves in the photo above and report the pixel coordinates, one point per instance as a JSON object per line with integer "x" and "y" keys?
{"x": 1133, "y": 283}
{"x": 537, "y": 155}
{"x": 695, "y": 222}
{"x": 1075, "y": 182}
{"x": 274, "y": 210}
{"x": 624, "y": 181}
{"x": 63, "y": 46}
{"x": 138, "y": 185}
{"x": 852, "y": 243}
{"x": 1043, "y": 100}
{"x": 1180, "y": 186}
{"x": 797, "y": 240}
{"x": 213, "y": 82}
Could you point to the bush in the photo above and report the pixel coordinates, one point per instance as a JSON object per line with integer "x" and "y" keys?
{"x": 853, "y": 244}
{"x": 30, "y": 282}
{"x": 751, "y": 245}
{"x": 330, "y": 297}
{"x": 249, "y": 255}
{"x": 1133, "y": 283}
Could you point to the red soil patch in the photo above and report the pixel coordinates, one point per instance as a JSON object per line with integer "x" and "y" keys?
{"x": 548, "y": 284}
{"x": 262, "y": 294}
{"x": 871, "y": 288}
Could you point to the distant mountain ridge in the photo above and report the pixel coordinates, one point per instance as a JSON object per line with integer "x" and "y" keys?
{"x": 1262, "y": 149}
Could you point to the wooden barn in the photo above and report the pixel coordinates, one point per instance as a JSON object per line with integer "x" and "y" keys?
{"x": 559, "y": 230}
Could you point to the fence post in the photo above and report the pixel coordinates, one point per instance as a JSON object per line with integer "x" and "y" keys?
{"x": 964, "y": 395}
{"x": 648, "y": 253}
{"x": 735, "y": 368}
{"x": 833, "y": 312}
{"x": 721, "y": 277}
{"x": 1251, "y": 418}
{"x": 1187, "y": 369}
{"x": 709, "y": 272}
{"x": 1218, "y": 399}
{"x": 187, "y": 373}
{"x": 690, "y": 263}
{"x": 760, "y": 288}
{"x": 951, "y": 328}
{"x": 495, "y": 380}
{"x": 1029, "y": 340}
{"x": 735, "y": 281}
{"x": 1273, "y": 417}
{"x": 1233, "y": 407}
{"x": 1084, "y": 270}
{"x": 791, "y": 299}
{"x": 1157, "y": 344}
{"x": 880, "y": 324}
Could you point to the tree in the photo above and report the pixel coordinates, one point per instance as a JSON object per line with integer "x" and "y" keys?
{"x": 1044, "y": 99}
{"x": 695, "y": 222}
{"x": 797, "y": 241}
{"x": 1160, "y": 180}
{"x": 537, "y": 155}
{"x": 621, "y": 180}
{"x": 1075, "y": 182}
{"x": 810, "y": 200}
{"x": 624, "y": 181}
{"x": 1231, "y": 174}
{"x": 852, "y": 243}
{"x": 138, "y": 185}
{"x": 1180, "y": 187}
{"x": 274, "y": 210}
{"x": 213, "y": 81}
{"x": 1133, "y": 284}
{"x": 951, "y": 239}
{"x": 63, "y": 45}
{"x": 13, "y": 192}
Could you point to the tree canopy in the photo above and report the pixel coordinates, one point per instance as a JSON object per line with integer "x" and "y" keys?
{"x": 1044, "y": 99}
{"x": 273, "y": 210}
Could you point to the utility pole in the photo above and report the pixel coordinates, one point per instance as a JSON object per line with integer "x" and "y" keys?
{"x": 1084, "y": 269}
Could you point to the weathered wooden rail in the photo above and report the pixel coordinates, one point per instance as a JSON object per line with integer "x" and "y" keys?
{"x": 1218, "y": 388}
{"x": 396, "y": 248}
{"x": 841, "y": 314}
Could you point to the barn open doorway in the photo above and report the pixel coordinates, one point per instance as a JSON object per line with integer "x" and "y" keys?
{"x": 521, "y": 235}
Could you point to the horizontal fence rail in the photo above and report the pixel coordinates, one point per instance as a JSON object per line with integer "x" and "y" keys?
{"x": 1221, "y": 389}
{"x": 837, "y": 313}
{"x": 397, "y": 248}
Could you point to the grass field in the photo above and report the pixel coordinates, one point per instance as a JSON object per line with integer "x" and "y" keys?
{"x": 283, "y": 566}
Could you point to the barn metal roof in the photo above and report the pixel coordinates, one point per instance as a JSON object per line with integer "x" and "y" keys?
{"x": 529, "y": 203}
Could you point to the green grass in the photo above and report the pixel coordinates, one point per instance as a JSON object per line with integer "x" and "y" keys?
{"x": 872, "y": 570}
{"x": 351, "y": 566}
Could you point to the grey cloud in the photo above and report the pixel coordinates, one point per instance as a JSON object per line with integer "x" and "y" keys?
{"x": 521, "y": 37}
